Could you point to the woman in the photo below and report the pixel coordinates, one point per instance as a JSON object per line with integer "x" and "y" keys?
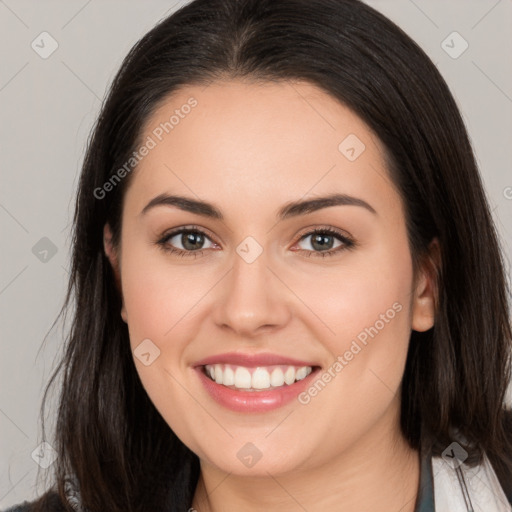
{"x": 290, "y": 294}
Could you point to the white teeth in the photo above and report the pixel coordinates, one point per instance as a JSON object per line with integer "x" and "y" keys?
{"x": 228, "y": 377}
{"x": 301, "y": 373}
{"x": 289, "y": 376}
{"x": 258, "y": 378}
{"x": 218, "y": 375}
{"x": 277, "y": 377}
{"x": 242, "y": 377}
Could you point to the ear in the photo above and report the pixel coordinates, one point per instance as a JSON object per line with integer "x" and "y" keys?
{"x": 112, "y": 256}
{"x": 425, "y": 298}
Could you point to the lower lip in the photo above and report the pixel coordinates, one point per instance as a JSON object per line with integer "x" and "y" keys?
{"x": 254, "y": 401}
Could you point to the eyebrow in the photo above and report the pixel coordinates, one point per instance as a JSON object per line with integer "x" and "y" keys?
{"x": 292, "y": 209}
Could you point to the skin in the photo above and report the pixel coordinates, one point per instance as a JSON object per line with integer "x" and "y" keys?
{"x": 250, "y": 148}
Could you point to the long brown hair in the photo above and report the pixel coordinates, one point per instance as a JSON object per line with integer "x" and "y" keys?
{"x": 109, "y": 434}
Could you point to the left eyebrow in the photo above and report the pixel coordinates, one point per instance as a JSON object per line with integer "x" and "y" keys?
{"x": 311, "y": 205}
{"x": 292, "y": 209}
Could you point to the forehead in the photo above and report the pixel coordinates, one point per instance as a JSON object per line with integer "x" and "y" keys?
{"x": 267, "y": 140}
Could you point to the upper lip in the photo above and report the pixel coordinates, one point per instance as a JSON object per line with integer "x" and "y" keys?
{"x": 250, "y": 360}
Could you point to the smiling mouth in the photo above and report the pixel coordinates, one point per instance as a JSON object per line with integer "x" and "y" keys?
{"x": 259, "y": 378}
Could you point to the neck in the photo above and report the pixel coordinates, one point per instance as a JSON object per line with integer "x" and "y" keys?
{"x": 380, "y": 472}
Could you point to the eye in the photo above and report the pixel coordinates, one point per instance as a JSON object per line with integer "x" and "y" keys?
{"x": 190, "y": 241}
{"x": 185, "y": 242}
{"x": 323, "y": 242}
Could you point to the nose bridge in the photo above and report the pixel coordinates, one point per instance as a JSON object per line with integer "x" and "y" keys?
{"x": 251, "y": 298}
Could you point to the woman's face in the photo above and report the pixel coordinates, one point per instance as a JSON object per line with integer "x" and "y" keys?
{"x": 252, "y": 277}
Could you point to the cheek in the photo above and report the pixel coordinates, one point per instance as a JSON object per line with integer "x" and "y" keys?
{"x": 369, "y": 290}
{"x": 160, "y": 306}
{"x": 158, "y": 296}
{"x": 367, "y": 311}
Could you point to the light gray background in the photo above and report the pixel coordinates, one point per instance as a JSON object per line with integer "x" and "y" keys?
{"x": 48, "y": 107}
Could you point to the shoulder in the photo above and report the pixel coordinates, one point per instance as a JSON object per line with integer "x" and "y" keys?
{"x": 49, "y": 502}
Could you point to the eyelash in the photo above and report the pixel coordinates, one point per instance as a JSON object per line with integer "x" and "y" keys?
{"x": 348, "y": 243}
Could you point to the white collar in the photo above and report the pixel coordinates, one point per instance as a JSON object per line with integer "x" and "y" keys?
{"x": 460, "y": 488}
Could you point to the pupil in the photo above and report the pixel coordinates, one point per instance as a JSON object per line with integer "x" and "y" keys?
{"x": 194, "y": 239}
{"x": 322, "y": 241}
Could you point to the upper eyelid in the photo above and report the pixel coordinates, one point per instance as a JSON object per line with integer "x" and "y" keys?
{"x": 178, "y": 231}
{"x": 333, "y": 231}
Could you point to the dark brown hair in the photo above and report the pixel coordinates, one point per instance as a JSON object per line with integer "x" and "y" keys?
{"x": 108, "y": 432}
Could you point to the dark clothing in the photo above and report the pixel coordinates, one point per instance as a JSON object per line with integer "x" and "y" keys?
{"x": 53, "y": 504}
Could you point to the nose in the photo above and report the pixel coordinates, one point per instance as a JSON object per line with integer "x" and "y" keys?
{"x": 253, "y": 300}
